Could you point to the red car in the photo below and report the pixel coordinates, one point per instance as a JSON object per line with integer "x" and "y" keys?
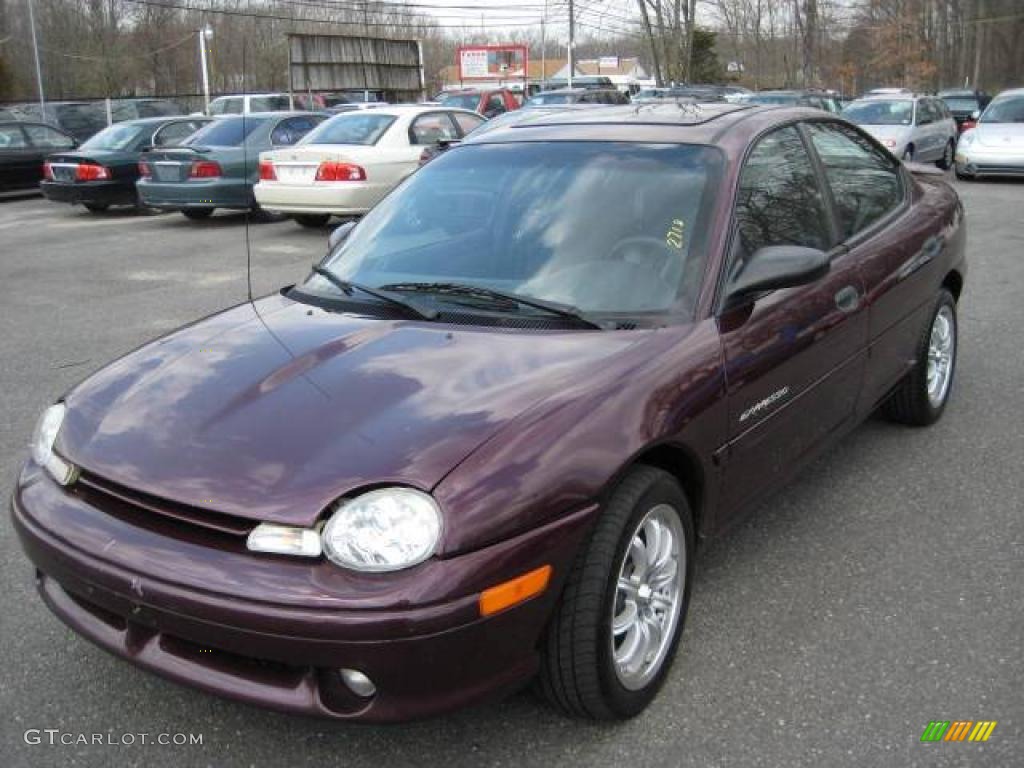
{"x": 489, "y": 103}
{"x": 481, "y": 442}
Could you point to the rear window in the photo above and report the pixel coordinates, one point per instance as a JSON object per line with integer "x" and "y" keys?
{"x": 226, "y": 132}
{"x": 350, "y": 128}
{"x": 961, "y": 104}
{"x": 117, "y": 136}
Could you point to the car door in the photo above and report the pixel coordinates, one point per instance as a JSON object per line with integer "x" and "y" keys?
{"x": 876, "y": 223}
{"x": 794, "y": 358}
{"x": 20, "y": 162}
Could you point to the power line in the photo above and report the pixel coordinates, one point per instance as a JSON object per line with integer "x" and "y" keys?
{"x": 427, "y": 23}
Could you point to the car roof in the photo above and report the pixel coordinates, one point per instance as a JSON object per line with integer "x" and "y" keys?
{"x": 654, "y": 122}
{"x": 153, "y": 120}
{"x": 1011, "y": 92}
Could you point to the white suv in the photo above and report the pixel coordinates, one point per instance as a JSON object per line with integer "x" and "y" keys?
{"x": 245, "y": 103}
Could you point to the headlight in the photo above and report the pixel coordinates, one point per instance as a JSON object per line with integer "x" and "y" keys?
{"x": 42, "y": 445}
{"x": 384, "y": 530}
{"x": 967, "y": 138}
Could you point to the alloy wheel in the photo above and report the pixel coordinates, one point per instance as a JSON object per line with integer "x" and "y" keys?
{"x": 648, "y": 597}
{"x": 941, "y": 349}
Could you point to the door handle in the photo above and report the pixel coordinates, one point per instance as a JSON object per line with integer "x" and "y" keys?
{"x": 848, "y": 299}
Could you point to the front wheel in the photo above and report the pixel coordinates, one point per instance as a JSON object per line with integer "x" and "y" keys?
{"x": 946, "y": 162}
{"x": 921, "y": 397}
{"x": 614, "y": 633}
{"x": 310, "y": 220}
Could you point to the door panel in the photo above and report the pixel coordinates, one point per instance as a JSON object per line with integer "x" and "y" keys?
{"x": 794, "y": 358}
{"x": 880, "y": 224}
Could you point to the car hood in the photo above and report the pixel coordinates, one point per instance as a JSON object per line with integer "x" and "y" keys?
{"x": 1000, "y": 135}
{"x": 271, "y": 411}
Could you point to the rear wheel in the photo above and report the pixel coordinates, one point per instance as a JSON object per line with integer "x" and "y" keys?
{"x": 947, "y": 156}
{"x": 614, "y": 633}
{"x": 921, "y": 397}
{"x": 197, "y": 213}
{"x": 312, "y": 221}
{"x": 96, "y": 207}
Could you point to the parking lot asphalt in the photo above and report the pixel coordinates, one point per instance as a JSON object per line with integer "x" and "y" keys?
{"x": 882, "y": 590}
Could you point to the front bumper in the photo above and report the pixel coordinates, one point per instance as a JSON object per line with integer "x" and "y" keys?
{"x": 984, "y": 161}
{"x": 283, "y": 650}
{"x": 349, "y": 198}
{"x": 95, "y": 192}
{"x": 197, "y": 193}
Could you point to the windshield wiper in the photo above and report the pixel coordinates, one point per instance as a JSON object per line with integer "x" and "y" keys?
{"x": 348, "y": 288}
{"x": 494, "y": 295}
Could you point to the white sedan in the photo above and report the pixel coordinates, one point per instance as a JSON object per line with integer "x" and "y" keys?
{"x": 344, "y": 166}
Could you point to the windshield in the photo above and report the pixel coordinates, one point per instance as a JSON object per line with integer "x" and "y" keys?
{"x": 364, "y": 128}
{"x": 1005, "y": 110}
{"x": 881, "y": 112}
{"x": 550, "y": 98}
{"x": 118, "y": 136}
{"x": 268, "y": 103}
{"x": 604, "y": 227}
{"x": 461, "y": 100}
{"x": 225, "y": 132}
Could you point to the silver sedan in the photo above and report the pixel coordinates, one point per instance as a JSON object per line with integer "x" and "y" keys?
{"x": 995, "y": 146}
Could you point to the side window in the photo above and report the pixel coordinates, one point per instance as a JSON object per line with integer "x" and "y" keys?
{"x": 290, "y": 130}
{"x": 467, "y": 122}
{"x": 865, "y": 182}
{"x": 779, "y": 201}
{"x": 925, "y": 116}
{"x": 432, "y": 128}
{"x": 44, "y": 136}
{"x": 173, "y": 133}
{"x": 232, "y": 106}
{"x": 11, "y": 137}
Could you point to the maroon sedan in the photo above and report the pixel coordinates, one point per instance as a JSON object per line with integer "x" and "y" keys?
{"x": 480, "y": 442}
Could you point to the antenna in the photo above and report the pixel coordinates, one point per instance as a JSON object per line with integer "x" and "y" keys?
{"x": 245, "y": 171}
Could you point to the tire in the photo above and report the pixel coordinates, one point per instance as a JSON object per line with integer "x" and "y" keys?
{"x": 579, "y": 674}
{"x": 913, "y": 402}
{"x": 96, "y": 207}
{"x": 197, "y": 214}
{"x": 311, "y": 220}
{"x": 946, "y": 162}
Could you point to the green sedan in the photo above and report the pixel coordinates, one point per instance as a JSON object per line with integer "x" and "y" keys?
{"x": 218, "y": 166}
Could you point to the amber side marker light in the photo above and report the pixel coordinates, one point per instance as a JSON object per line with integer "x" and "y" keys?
{"x": 514, "y": 591}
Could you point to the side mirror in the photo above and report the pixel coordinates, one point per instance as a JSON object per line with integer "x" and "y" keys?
{"x": 339, "y": 235}
{"x": 778, "y": 266}
{"x": 975, "y": 114}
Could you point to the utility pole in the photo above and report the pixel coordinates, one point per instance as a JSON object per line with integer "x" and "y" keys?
{"x": 205, "y": 34}
{"x": 39, "y": 69}
{"x": 572, "y": 40}
{"x": 543, "y": 50}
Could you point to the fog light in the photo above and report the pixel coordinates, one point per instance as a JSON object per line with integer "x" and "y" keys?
{"x": 358, "y": 683}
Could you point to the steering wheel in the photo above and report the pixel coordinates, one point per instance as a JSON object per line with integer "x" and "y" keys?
{"x": 648, "y": 248}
